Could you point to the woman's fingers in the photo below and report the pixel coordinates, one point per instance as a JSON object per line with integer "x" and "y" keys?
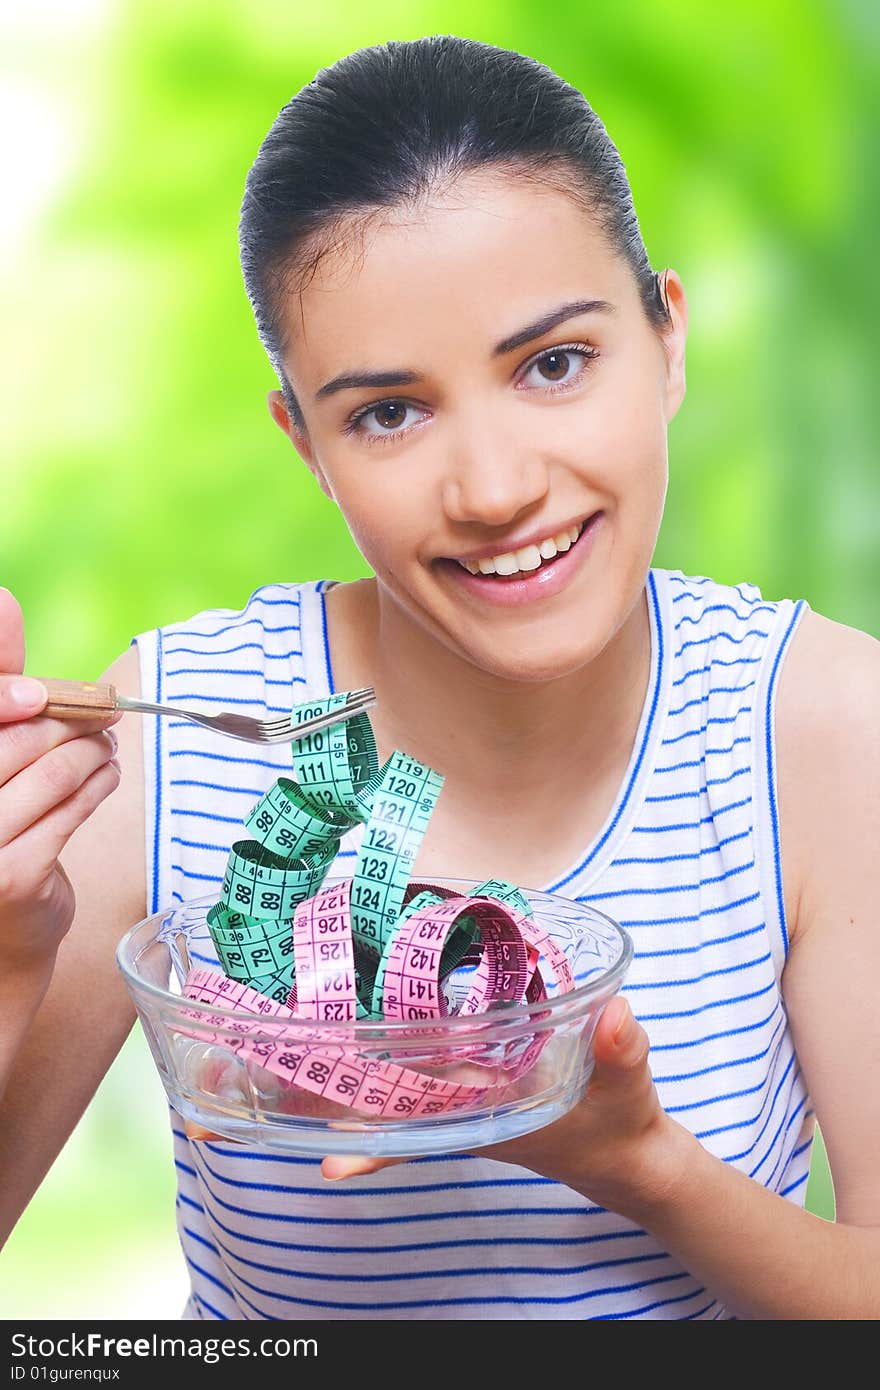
{"x": 336, "y": 1166}
{"x": 53, "y": 783}
{"x": 11, "y": 632}
{"x": 620, "y": 1098}
{"x": 24, "y": 741}
{"x": 36, "y": 849}
{"x": 194, "y": 1131}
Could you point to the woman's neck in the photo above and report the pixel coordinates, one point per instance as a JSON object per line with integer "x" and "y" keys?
{"x": 532, "y": 740}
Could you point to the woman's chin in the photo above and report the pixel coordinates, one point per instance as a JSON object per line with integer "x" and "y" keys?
{"x": 525, "y": 663}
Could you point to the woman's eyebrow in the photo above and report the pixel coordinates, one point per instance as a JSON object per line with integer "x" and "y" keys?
{"x": 406, "y": 376}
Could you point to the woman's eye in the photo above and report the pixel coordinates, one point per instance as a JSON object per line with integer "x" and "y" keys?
{"x": 556, "y": 365}
{"x": 556, "y": 374}
{"x": 387, "y": 415}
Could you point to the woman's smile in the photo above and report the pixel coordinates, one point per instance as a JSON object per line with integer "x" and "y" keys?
{"x": 528, "y": 573}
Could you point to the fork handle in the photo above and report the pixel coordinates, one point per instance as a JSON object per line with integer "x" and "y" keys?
{"x": 78, "y": 699}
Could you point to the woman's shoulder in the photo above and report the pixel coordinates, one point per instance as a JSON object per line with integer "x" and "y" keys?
{"x": 822, "y": 679}
{"x": 689, "y": 593}
{"x": 828, "y": 688}
{"x": 272, "y": 606}
{"x": 827, "y": 744}
{"x": 716, "y": 627}
{"x": 274, "y": 641}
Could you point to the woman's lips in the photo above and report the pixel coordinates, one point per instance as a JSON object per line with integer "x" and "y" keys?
{"x": 552, "y": 576}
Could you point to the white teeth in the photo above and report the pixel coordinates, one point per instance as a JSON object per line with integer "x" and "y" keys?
{"x": 528, "y": 558}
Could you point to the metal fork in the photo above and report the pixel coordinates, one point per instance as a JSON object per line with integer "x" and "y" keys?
{"x": 80, "y": 700}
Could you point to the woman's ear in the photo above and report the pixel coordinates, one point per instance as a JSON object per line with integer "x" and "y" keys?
{"x": 675, "y": 340}
{"x": 299, "y": 439}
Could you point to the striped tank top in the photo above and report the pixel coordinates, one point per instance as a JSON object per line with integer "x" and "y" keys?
{"x": 688, "y": 861}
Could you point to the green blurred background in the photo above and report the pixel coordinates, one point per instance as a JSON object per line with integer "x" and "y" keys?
{"x": 143, "y": 479}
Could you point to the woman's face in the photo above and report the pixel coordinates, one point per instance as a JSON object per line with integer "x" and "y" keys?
{"x": 489, "y": 435}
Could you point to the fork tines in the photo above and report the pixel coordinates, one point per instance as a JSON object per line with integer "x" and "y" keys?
{"x": 366, "y": 692}
{"x": 358, "y": 701}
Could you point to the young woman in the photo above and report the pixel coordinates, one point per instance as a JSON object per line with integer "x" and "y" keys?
{"x": 479, "y": 366}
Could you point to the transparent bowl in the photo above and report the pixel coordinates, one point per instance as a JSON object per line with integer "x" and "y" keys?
{"x": 518, "y": 1066}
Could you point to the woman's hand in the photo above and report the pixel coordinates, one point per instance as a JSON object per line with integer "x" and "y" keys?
{"x": 617, "y": 1146}
{"x": 53, "y": 774}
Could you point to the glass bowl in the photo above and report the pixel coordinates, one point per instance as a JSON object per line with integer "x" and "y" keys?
{"x": 516, "y": 1067}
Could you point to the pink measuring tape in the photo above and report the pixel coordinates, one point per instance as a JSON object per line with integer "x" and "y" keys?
{"x": 278, "y": 1039}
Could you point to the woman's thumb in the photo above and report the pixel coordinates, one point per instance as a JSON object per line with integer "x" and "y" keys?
{"x": 21, "y": 697}
{"x": 620, "y": 1044}
{"x": 11, "y": 632}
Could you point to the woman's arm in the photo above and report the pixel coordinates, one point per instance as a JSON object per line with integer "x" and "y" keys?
{"x": 86, "y": 1013}
{"x": 762, "y": 1255}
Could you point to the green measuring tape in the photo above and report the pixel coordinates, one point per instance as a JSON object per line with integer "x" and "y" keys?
{"x": 253, "y": 950}
{"x": 337, "y": 767}
{"x": 404, "y": 799}
{"x": 287, "y": 822}
{"x": 296, "y": 828}
{"x": 263, "y": 884}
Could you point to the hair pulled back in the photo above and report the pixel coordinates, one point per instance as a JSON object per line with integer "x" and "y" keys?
{"x": 390, "y": 127}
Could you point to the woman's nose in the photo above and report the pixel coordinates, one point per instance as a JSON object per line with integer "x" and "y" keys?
{"x": 492, "y": 479}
